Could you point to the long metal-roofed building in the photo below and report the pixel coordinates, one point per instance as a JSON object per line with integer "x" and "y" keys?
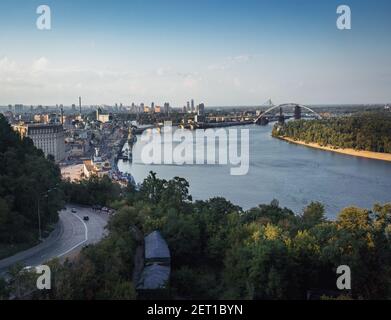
{"x": 154, "y": 277}
{"x": 154, "y": 280}
{"x": 156, "y": 249}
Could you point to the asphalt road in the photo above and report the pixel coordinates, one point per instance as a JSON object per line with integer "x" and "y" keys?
{"x": 71, "y": 234}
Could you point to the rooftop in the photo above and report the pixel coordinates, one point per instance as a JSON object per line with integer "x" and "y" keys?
{"x": 154, "y": 277}
{"x": 156, "y": 246}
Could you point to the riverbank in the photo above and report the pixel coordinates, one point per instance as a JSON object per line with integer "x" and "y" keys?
{"x": 350, "y": 152}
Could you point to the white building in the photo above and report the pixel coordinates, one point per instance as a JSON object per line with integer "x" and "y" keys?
{"x": 96, "y": 166}
{"x": 47, "y": 137}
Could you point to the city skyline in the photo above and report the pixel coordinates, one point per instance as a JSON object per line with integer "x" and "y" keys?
{"x": 222, "y": 53}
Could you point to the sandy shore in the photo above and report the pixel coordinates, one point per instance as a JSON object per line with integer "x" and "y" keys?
{"x": 350, "y": 152}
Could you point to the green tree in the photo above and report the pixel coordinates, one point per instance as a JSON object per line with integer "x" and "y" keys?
{"x": 313, "y": 215}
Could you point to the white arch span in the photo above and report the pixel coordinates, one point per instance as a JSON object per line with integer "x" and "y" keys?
{"x": 287, "y": 105}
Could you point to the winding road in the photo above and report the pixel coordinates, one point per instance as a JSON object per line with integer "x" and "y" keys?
{"x": 70, "y": 236}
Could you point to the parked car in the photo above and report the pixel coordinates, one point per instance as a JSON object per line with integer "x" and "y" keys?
{"x": 73, "y": 210}
{"x": 86, "y": 218}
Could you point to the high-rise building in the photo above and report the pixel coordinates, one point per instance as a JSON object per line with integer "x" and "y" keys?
{"x": 200, "y": 117}
{"x": 192, "y": 105}
{"x": 201, "y": 109}
{"x": 166, "y": 108}
{"x": 19, "y": 108}
{"x": 47, "y": 137}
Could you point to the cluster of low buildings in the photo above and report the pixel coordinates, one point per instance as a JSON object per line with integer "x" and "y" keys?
{"x": 82, "y": 144}
{"x": 56, "y": 135}
{"x": 96, "y": 166}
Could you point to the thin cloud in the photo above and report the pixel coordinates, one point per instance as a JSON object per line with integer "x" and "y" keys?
{"x": 229, "y": 62}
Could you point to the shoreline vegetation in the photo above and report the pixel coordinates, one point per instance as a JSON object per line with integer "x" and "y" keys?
{"x": 365, "y": 135}
{"x": 348, "y": 151}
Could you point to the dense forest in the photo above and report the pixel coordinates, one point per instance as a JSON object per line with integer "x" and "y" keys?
{"x": 220, "y": 251}
{"x": 28, "y": 181}
{"x": 370, "y": 131}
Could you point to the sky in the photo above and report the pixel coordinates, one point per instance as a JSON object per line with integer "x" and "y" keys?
{"x": 220, "y": 52}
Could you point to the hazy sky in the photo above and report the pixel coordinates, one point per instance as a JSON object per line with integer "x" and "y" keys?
{"x": 220, "y": 52}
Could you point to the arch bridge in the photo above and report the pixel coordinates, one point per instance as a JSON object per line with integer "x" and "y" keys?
{"x": 263, "y": 115}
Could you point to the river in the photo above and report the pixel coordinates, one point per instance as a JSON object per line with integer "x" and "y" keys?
{"x": 294, "y": 175}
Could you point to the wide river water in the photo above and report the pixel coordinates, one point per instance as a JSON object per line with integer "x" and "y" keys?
{"x": 294, "y": 175}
